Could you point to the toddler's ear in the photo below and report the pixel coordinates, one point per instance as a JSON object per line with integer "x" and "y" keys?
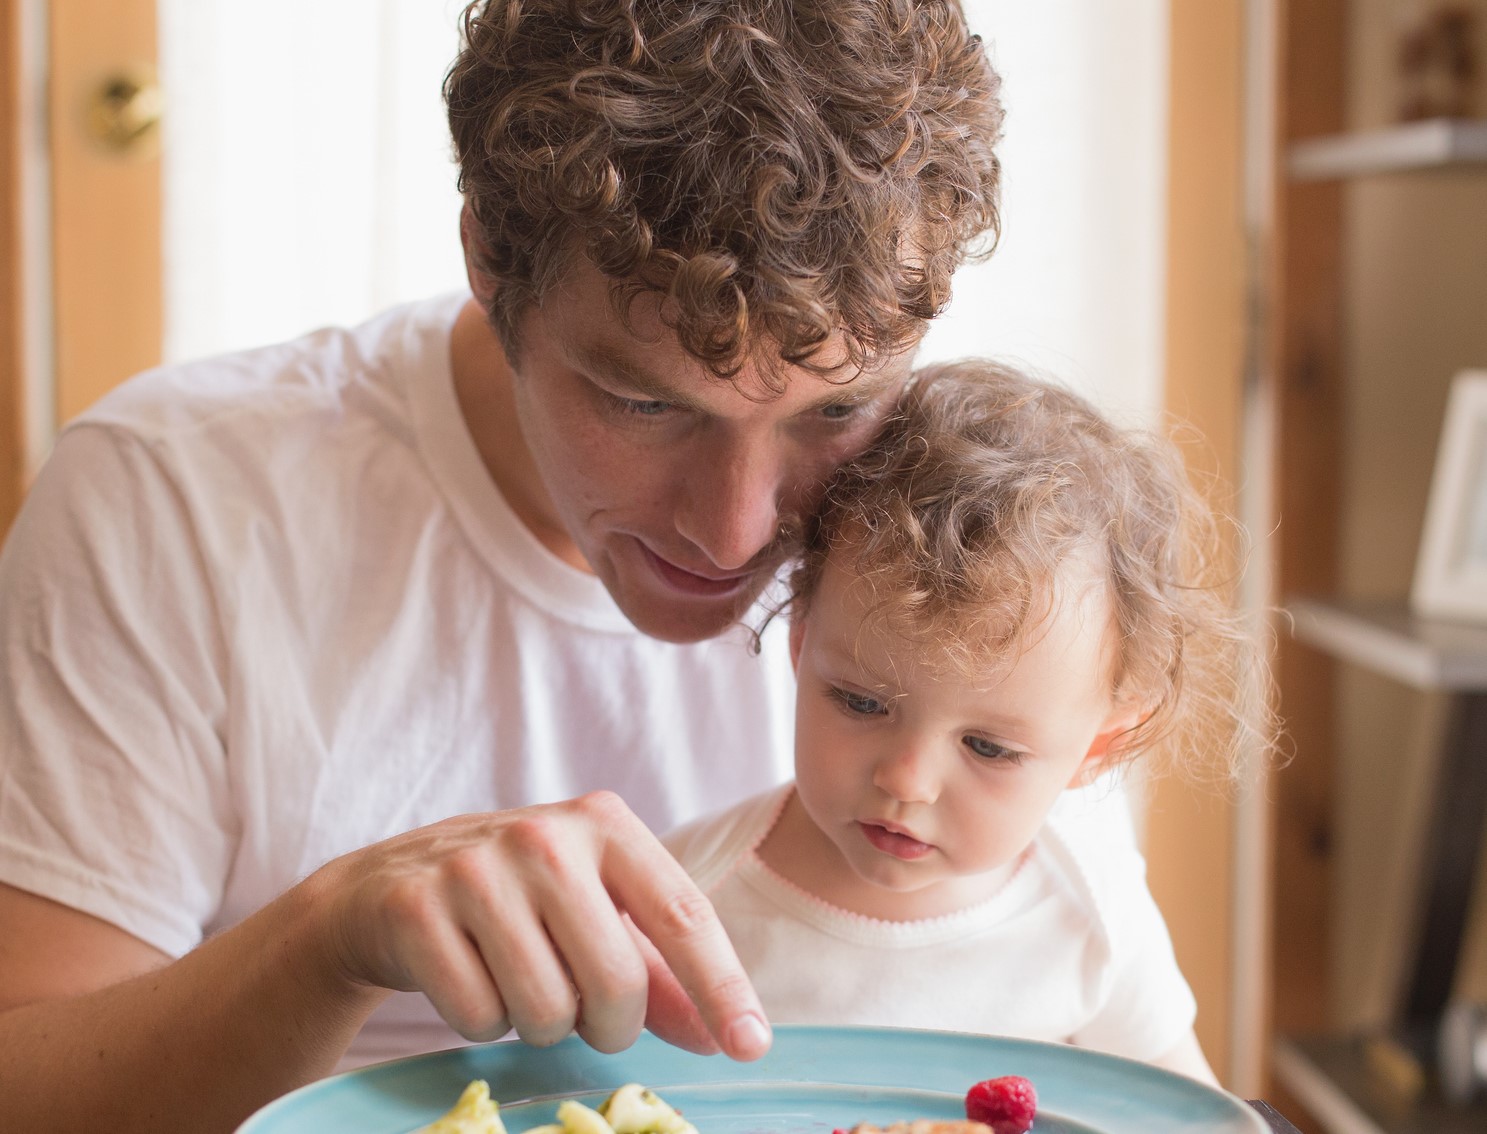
{"x": 1106, "y": 747}
{"x": 797, "y": 638}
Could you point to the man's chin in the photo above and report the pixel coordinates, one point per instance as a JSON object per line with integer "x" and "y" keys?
{"x": 684, "y": 621}
{"x": 683, "y": 627}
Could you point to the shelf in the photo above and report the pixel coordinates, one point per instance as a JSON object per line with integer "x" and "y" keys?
{"x": 1348, "y": 1089}
{"x": 1387, "y": 638}
{"x": 1435, "y": 143}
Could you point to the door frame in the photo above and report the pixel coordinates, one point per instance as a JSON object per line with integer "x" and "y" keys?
{"x": 1205, "y": 850}
{"x": 106, "y": 250}
{"x": 81, "y": 260}
{"x": 15, "y": 453}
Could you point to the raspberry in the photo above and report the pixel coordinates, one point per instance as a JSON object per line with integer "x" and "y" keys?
{"x": 1008, "y": 1105}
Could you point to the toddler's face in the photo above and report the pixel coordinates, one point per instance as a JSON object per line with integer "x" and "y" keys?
{"x": 926, "y": 782}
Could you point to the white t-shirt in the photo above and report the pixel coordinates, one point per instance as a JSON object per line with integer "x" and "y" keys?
{"x": 264, "y": 609}
{"x": 1071, "y": 949}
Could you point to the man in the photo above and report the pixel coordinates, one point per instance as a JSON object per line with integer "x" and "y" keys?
{"x": 364, "y": 663}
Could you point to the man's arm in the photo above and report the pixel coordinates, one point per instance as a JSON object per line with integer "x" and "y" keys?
{"x": 96, "y": 1022}
{"x": 486, "y": 914}
{"x": 50, "y": 951}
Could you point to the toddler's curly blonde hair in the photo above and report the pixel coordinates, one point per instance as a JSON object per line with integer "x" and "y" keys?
{"x": 978, "y": 497}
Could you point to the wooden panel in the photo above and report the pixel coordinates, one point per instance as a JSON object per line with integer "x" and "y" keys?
{"x": 106, "y": 208}
{"x": 1308, "y": 346}
{"x": 1191, "y": 831}
{"x": 1304, "y": 364}
{"x": 12, "y": 312}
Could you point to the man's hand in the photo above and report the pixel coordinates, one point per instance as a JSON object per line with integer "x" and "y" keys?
{"x": 552, "y": 919}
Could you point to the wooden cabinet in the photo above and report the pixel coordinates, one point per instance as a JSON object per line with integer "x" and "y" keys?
{"x": 1374, "y": 284}
{"x": 1378, "y": 1079}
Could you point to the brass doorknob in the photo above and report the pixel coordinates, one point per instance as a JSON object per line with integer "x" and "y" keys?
{"x": 125, "y": 111}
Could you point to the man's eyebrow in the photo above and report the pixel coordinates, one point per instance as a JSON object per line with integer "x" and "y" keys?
{"x": 602, "y": 361}
{"x": 865, "y": 387}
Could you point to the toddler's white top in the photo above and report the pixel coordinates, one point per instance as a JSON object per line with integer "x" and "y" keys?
{"x": 1071, "y": 949}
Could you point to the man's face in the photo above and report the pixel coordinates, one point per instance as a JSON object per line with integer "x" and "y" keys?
{"x": 672, "y": 484}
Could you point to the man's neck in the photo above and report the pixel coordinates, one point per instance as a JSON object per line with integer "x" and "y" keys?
{"x": 483, "y": 389}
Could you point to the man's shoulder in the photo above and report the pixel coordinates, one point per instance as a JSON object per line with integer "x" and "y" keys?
{"x": 326, "y": 371}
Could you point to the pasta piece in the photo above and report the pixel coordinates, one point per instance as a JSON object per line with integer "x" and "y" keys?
{"x": 475, "y": 1113}
{"x": 634, "y": 1109}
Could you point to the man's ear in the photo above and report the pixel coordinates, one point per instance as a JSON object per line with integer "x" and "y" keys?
{"x": 797, "y": 638}
{"x": 483, "y": 287}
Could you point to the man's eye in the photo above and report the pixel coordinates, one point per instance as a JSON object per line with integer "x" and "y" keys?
{"x": 859, "y": 703}
{"x": 638, "y": 407}
{"x": 990, "y": 750}
{"x": 645, "y": 409}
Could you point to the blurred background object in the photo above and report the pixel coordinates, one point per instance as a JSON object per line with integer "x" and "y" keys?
{"x": 1439, "y": 65}
{"x": 1463, "y": 1051}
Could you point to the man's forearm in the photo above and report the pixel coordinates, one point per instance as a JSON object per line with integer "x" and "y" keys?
{"x": 196, "y": 1045}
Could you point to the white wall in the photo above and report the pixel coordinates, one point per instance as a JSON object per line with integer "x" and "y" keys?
{"x": 1076, "y": 286}
{"x": 307, "y": 165}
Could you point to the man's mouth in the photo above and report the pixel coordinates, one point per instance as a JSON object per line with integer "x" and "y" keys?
{"x": 691, "y": 583}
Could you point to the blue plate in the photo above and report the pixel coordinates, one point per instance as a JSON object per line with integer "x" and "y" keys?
{"x": 812, "y": 1081}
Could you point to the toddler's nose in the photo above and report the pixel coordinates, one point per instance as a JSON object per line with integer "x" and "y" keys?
{"x": 909, "y": 775}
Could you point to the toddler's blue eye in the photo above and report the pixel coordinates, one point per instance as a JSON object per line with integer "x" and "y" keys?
{"x": 839, "y": 411}
{"x": 859, "y": 703}
{"x": 990, "y": 750}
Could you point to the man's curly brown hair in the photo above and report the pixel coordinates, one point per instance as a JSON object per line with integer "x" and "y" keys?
{"x": 787, "y": 170}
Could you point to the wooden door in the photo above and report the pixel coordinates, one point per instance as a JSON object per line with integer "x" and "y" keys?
{"x": 81, "y": 300}
{"x": 1254, "y": 355}
{"x": 1207, "y": 851}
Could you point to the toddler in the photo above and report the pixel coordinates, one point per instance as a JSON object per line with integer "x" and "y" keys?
{"x": 1005, "y": 598}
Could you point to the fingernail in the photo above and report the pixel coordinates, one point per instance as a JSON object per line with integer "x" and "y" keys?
{"x": 748, "y": 1037}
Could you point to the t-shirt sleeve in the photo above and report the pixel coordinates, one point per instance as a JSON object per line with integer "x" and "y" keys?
{"x": 114, "y": 794}
{"x": 1147, "y": 1006}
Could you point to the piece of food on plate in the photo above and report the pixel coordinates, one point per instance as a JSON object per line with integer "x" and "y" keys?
{"x": 632, "y": 1109}
{"x": 575, "y": 1118}
{"x": 1008, "y": 1104}
{"x": 475, "y": 1113}
{"x": 922, "y": 1126}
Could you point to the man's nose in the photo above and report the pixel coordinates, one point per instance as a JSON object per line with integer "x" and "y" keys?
{"x": 908, "y": 773}
{"x": 731, "y": 508}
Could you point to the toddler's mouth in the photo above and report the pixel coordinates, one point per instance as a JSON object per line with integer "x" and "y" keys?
{"x": 894, "y": 843}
